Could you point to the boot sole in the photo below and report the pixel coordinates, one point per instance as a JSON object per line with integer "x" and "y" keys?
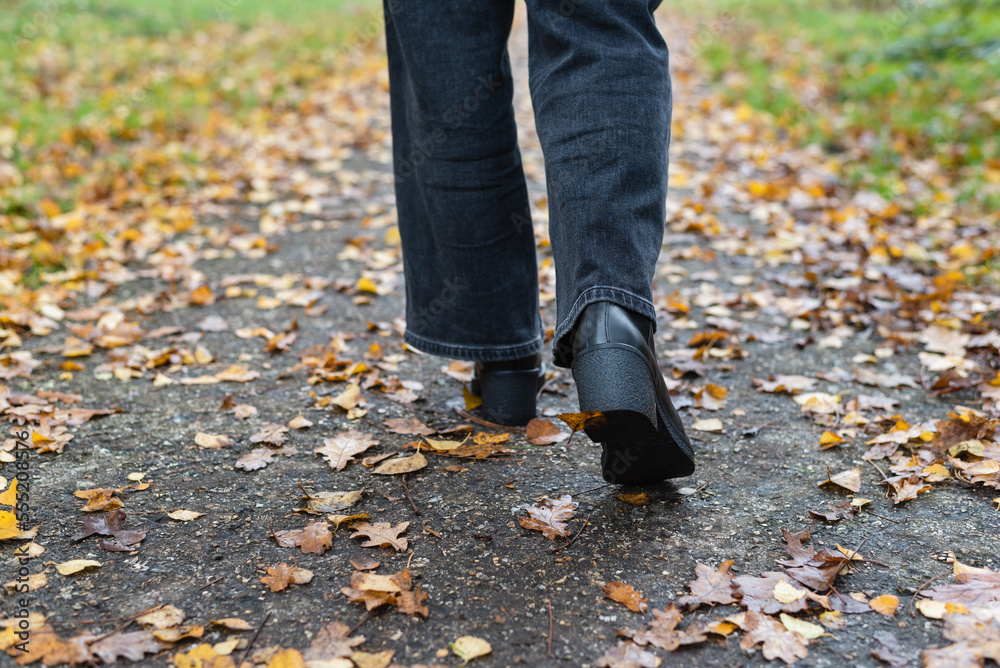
{"x": 640, "y": 444}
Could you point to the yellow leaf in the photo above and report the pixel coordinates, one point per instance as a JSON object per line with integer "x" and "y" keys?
{"x": 711, "y": 424}
{"x": 885, "y": 604}
{"x": 367, "y": 285}
{"x": 9, "y": 497}
{"x": 468, "y": 648}
{"x": 288, "y": 658}
{"x": 400, "y": 465}
{"x": 471, "y": 400}
{"x": 931, "y": 609}
{"x": 76, "y": 565}
{"x": 829, "y": 439}
{"x": 786, "y": 593}
{"x": 807, "y": 630}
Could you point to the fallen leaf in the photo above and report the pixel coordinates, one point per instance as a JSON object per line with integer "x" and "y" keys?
{"x": 233, "y": 624}
{"x": 339, "y": 450}
{"x": 332, "y": 641}
{"x": 778, "y": 642}
{"x": 663, "y": 633}
{"x": 76, "y": 565}
{"x": 330, "y": 502}
{"x": 625, "y": 594}
{"x": 849, "y": 479}
{"x": 544, "y": 432}
{"x": 163, "y": 617}
{"x": 279, "y": 577}
{"x": 468, "y": 648}
{"x": 408, "y": 426}
{"x": 257, "y": 458}
{"x": 401, "y": 465}
{"x": 315, "y": 538}
{"x": 788, "y": 384}
{"x": 711, "y": 424}
{"x": 885, "y": 604}
{"x": 550, "y": 516}
{"x": 807, "y": 630}
{"x": 628, "y": 655}
{"x": 710, "y": 587}
{"x": 184, "y": 515}
{"x": 381, "y": 534}
{"x": 244, "y": 411}
{"x": 204, "y": 440}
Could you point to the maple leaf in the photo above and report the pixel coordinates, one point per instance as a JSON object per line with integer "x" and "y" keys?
{"x": 550, "y": 516}
{"x": 710, "y": 587}
{"x": 972, "y": 589}
{"x": 279, "y": 577}
{"x": 816, "y": 570}
{"x": 132, "y": 646}
{"x": 664, "y": 634}
{"x": 315, "y": 538}
{"x": 339, "y": 450}
{"x": 257, "y": 458}
{"x": 381, "y": 534}
{"x": 778, "y": 642}
{"x": 544, "y": 432}
{"x": 907, "y": 487}
{"x": 758, "y": 593}
{"x": 332, "y": 641}
{"x": 625, "y": 594}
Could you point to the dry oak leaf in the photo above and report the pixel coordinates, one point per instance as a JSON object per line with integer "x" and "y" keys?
{"x": 550, "y": 516}
{"x": 46, "y": 646}
{"x": 778, "y": 642}
{"x": 76, "y": 565}
{"x": 300, "y": 423}
{"x": 315, "y": 538}
{"x": 628, "y": 655}
{"x": 373, "y": 659}
{"x": 233, "y": 624}
{"x": 271, "y": 433}
{"x": 664, "y": 634}
{"x": 184, "y": 515}
{"x": 203, "y": 440}
{"x": 836, "y": 511}
{"x": 710, "y": 586}
{"x": 468, "y": 648}
{"x": 400, "y": 465}
{"x": 332, "y": 642}
{"x": 330, "y": 502}
{"x": 132, "y": 646}
{"x": 349, "y": 398}
{"x": 257, "y": 458}
{"x": 339, "y": 450}
{"x": 363, "y": 562}
{"x": 279, "y": 577}
{"x": 849, "y": 479}
{"x": 625, "y": 594}
{"x": 244, "y": 411}
{"x": 789, "y": 384}
{"x": 544, "y": 432}
{"x": 381, "y": 534}
{"x": 757, "y": 593}
{"x": 408, "y": 426}
{"x": 584, "y": 420}
{"x": 237, "y": 374}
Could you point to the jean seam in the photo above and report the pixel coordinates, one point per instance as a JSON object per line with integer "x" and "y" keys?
{"x": 496, "y": 353}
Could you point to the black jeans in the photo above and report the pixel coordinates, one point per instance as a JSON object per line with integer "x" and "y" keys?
{"x": 600, "y": 88}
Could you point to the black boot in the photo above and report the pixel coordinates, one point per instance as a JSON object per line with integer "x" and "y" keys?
{"x": 509, "y": 388}
{"x": 616, "y": 373}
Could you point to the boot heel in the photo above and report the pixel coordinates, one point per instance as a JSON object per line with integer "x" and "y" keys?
{"x": 616, "y": 382}
{"x": 509, "y": 396}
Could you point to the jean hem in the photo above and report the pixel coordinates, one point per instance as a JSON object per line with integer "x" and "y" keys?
{"x": 562, "y": 350}
{"x": 485, "y": 353}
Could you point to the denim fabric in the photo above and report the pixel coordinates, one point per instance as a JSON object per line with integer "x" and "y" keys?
{"x": 600, "y": 87}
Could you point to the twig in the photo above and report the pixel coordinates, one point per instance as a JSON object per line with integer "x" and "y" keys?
{"x": 549, "y": 652}
{"x": 114, "y": 631}
{"x": 252, "y": 639}
{"x": 880, "y": 473}
{"x": 486, "y": 423}
{"x": 573, "y": 539}
{"x": 887, "y": 519}
{"x": 368, "y": 615}
{"x": 211, "y": 583}
{"x": 855, "y": 551}
{"x": 594, "y": 489}
{"x": 921, "y": 588}
{"x": 406, "y": 490}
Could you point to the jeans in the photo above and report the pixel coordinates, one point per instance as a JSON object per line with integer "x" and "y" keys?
{"x": 600, "y": 87}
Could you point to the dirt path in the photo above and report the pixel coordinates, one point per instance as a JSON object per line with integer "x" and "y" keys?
{"x": 740, "y": 267}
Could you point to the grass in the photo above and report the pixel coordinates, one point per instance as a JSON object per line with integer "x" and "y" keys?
{"x": 916, "y": 78}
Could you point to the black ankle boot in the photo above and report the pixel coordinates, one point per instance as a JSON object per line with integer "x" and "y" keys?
{"x": 509, "y": 388}
{"x": 614, "y": 365}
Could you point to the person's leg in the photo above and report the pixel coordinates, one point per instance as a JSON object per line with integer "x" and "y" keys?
{"x": 601, "y": 90}
{"x": 468, "y": 251}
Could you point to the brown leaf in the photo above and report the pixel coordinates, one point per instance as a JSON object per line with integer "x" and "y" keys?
{"x": 279, "y": 577}
{"x": 132, "y": 646}
{"x": 710, "y": 586}
{"x": 836, "y": 511}
{"x": 778, "y": 642}
{"x": 625, "y": 594}
{"x": 889, "y": 650}
{"x": 315, "y": 538}
{"x": 257, "y": 458}
{"x": 271, "y": 433}
{"x": 544, "y": 432}
{"x": 408, "y": 426}
{"x": 578, "y": 421}
{"x": 330, "y": 502}
{"x": 339, "y": 450}
{"x": 664, "y": 634}
{"x": 364, "y": 562}
{"x": 402, "y": 465}
{"x": 550, "y": 516}
{"x": 381, "y": 534}
{"x": 758, "y": 594}
{"x": 203, "y": 440}
{"x": 628, "y": 655}
{"x": 332, "y": 642}
{"x": 237, "y": 374}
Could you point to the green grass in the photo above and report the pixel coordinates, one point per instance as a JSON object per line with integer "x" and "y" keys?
{"x": 913, "y": 75}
